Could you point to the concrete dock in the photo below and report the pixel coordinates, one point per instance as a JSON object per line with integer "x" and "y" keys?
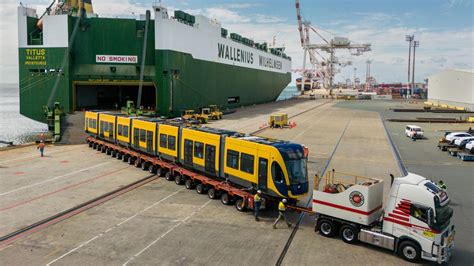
{"x": 162, "y": 223}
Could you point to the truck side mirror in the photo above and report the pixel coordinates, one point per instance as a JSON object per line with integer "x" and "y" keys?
{"x": 430, "y": 216}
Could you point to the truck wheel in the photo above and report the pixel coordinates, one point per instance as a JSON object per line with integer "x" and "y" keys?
{"x": 200, "y": 189}
{"x": 226, "y": 199}
{"x": 189, "y": 184}
{"x": 326, "y": 228}
{"x": 239, "y": 205}
{"x": 212, "y": 193}
{"x": 349, "y": 234}
{"x": 168, "y": 176}
{"x": 178, "y": 179}
{"x": 130, "y": 160}
{"x": 409, "y": 251}
{"x": 143, "y": 165}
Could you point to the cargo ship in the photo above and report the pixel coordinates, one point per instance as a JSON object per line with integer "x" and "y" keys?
{"x": 188, "y": 62}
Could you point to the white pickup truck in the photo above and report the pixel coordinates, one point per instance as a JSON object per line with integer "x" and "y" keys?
{"x": 415, "y": 222}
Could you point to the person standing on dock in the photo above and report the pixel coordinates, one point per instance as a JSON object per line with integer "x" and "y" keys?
{"x": 257, "y": 203}
{"x": 281, "y": 214}
{"x": 41, "y": 147}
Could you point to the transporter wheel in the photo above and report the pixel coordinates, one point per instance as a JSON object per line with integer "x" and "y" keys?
{"x": 326, "y": 228}
{"x": 118, "y": 155}
{"x": 94, "y": 146}
{"x": 409, "y": 251}
{"x": 168, "y": 176}
{"x": 240, "y": 205}
{"x": 159, "y": 171}
{"x": 90, "y": 144}
{"x": 113, "y": 153}
{"x": 130, "y": 160}
{"x": 124, "y": 158}
{"x": 189, "y": 184}
{"x": 349, "y": 234}
{"x": 103, "y": 149}
{"x": 178, "y": 179}
{"x": 152, "y": 169}
{"x": 201, "y": 189}
{"x": 213, "y": 193}
{"x": 144, "y": 166}
{"x": 226, "y": 199}
{"x": 137, "y": 163}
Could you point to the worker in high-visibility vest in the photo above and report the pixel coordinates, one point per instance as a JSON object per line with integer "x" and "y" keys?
{"x": 442, "y": 185}
{"x": 41, "y": 147}
{"x": 281, "y": 213}
{"x": 257, "y": 202}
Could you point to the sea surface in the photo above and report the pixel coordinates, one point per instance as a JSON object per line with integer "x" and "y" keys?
{"x": 20, "y": 129}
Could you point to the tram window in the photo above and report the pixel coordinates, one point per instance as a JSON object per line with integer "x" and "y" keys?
{"x": 142, "y": 135}
{"x": 125, "y": 131}
{"x": 172, "y": 143}
{"x": 198, "y": 149}
{"x": 277, "y": 173}
{"x": 119, "y": 130}
{"x": 163, "y": 138}
{"x": 232, "y": 159}
{"x": 106, "y": 126}
{"x": 246, "y": 163}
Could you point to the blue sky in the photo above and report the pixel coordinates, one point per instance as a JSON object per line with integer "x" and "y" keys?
{"x": 443, "y": 27}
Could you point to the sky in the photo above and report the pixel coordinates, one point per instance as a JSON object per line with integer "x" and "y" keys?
{"x": 444, "y": 29}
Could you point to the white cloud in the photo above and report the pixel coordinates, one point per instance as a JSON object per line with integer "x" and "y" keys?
{"x": 438, "y": 49}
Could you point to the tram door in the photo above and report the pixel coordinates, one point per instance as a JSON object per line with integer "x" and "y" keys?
{"x": 262, "y": 174}
{"x": 210, "y": 159}
{"x": 188, "y": 152}
{"x": 136, "y": 138}
{"x": 149, "y": 141}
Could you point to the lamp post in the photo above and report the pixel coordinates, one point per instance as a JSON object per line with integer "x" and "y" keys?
{"x": 415, "y": 44}
{"x": 409, "y": 39}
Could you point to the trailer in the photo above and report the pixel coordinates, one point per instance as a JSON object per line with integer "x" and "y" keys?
{"x": 465, "y": 156}
{"x": 228, "y": 194}
{"x": 414, "y": 222}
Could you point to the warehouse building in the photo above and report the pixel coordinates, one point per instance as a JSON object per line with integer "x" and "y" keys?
{"x": 453, "y": 87}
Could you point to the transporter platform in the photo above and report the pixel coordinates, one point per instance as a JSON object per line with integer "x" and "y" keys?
{"x": 160, "y": 222}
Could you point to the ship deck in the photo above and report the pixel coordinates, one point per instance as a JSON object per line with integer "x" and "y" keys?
{"x": 162, "y": 223}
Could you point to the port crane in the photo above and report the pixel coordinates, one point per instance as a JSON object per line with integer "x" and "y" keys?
{"x": 320, "y": 66}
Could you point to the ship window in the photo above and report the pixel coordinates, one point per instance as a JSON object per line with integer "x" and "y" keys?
{"x": 246, "y": 163}
{"x": 277, "y": 173}
{"x": 119, "y": 130}
{"x": 232, "y": 159}
{"x": 142, "y": 135}
{"x": 172, "y": 143}
{"x": 198, "y": 149}
{"x": 125, "y": 131}
{"x": 163, "y": 139}
{"x": 235, "y": 99}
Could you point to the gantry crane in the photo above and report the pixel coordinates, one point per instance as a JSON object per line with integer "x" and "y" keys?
{"x": 322, "y": 67}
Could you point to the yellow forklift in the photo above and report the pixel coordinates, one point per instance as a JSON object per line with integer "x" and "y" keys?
{"x": 212, "y": 112}
{"x": 191, "y": 115}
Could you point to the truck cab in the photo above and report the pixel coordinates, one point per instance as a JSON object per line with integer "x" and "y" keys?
{"x": 418, "y": 216}
{"x": 414, "y": 221}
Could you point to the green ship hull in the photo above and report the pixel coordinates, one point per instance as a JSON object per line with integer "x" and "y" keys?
{"x": 173, "y": 80}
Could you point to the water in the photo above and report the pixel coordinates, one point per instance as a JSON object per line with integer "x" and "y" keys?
{"x": 288, "y": 92}
{"x": 20, "y": 129}
{"x": 13, "y": 126}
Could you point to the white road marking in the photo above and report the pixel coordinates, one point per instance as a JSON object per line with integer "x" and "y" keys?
{"x": 113, "y": 227}
{"x": 54, "y": 178}
{"x": 167, "y": 232}
{"x": 36, "y": 156}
